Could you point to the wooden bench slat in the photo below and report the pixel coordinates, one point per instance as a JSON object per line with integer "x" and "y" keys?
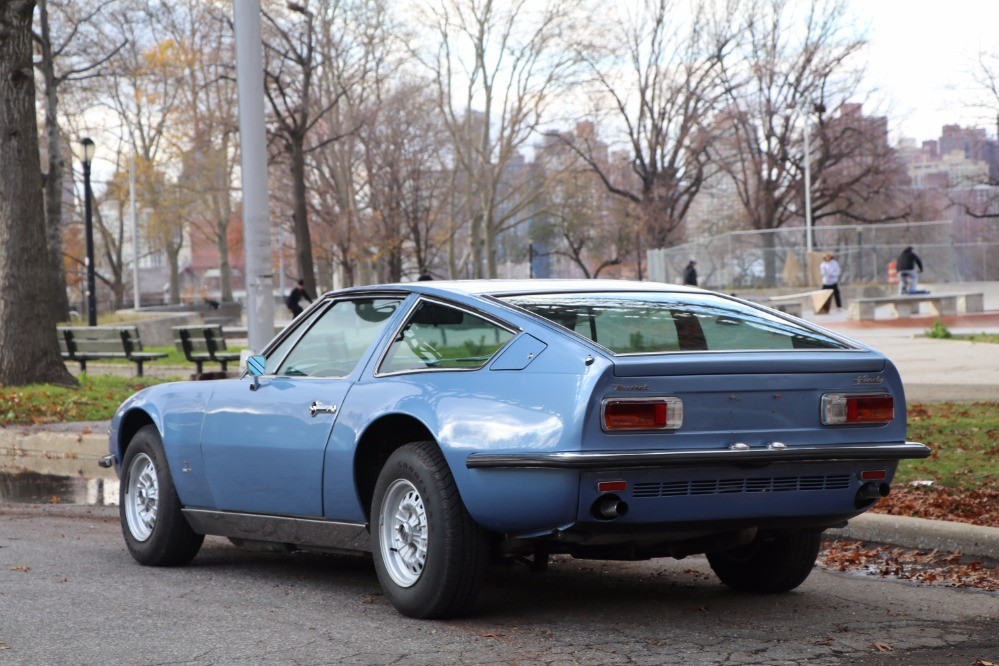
{"x": 93, "y": 343}
{"x": 202, "y": 344}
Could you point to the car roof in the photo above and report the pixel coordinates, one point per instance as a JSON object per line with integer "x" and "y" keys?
{"x": 531, "y": 286}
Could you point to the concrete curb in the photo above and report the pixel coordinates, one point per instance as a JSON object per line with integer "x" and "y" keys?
{"x": 73, "y": 450}
{"x": 922, "y": 534}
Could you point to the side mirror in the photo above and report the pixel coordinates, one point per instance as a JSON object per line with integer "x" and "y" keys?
{"x": 255, "y": 366}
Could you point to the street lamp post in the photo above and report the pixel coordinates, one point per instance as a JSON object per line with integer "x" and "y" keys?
{"x": 808, "y": 190}
{"x": 88, "y": 215}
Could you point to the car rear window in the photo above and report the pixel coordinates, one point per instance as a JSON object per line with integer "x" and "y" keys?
{"x": 650, "y": 323}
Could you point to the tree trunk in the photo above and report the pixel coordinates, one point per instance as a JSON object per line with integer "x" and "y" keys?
{"x": 27, "y": 329}
{"x": 173, "y": 260}
{"x": 57, "y": 300}
{"x": 303, "y": 239}
{"x": 225, "y": 270}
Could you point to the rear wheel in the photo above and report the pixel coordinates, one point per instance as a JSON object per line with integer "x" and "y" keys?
{"x": 430, "y": 556}
{"x": 156, "y": 532}
{"x": 772, "y": 562}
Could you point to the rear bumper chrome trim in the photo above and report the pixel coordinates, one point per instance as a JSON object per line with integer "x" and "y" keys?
{"x": 690, "y": 458}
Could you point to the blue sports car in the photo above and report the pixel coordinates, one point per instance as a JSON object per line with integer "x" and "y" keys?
{"x": 443, "y": 425}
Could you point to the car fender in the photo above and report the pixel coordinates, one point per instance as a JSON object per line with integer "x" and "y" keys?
{"x": 177, "y": 410}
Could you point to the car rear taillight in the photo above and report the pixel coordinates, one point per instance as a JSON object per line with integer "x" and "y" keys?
{"x": 642, "y": 413}
{"x": 857, "y": 408}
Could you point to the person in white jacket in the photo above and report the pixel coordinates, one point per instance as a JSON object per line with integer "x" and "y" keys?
{"x": 830, "y": 271}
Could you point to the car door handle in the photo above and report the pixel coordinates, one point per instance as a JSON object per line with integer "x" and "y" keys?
{"x": 321, "y": 408}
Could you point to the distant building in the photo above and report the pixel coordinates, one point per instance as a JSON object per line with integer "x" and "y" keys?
{"x": 961, "y": 157}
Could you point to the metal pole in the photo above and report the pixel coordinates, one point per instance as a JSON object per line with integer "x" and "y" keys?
{"x": 88, "y": 217}
{"x": 253, "y": 149}
{"x": 135, "y": 235}
{"x": 808, "y": 190}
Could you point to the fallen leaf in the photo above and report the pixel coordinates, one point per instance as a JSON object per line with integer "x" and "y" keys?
{"x": 4, "y": 646}
{"x": 882, "y": 647}
{"x": 493, "y": 635}
{"x": 22, "y": 568}
{"x": 982, "y": 662}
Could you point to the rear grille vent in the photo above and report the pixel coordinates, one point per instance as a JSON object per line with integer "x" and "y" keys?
{"x": 776, "y": 484}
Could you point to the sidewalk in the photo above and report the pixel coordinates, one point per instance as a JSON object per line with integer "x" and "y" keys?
{"x": 933, "y": 370}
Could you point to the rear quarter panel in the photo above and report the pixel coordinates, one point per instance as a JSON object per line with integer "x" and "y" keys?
{"x": 541, "y": 407}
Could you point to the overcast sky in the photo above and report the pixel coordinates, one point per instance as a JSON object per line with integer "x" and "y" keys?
{"x": 921, "y": 55}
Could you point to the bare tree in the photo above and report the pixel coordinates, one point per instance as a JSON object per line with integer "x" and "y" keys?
{"x": 292, "y": 63}
{"x": 405, "y": 159}
{"x": 659, "y": 73}
{"x": 142, "y": 90}
{"x": 204, "y": 137}
{"x": 27, "y": 333}
{"x": 361, "y": 41}
{"x": 70, "y": 48}
{"x": 986, "y": 76}
{"x": 497, "y": 68}
{"x": 796, "y": 63}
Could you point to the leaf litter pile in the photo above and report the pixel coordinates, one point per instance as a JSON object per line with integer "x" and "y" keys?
{"x": 919, "y": 566}
{"x": 957, "y": 483}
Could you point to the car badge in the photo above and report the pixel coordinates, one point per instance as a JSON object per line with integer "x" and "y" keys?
{"x": 868, "y": 379}
{"x": 631, "y": 387}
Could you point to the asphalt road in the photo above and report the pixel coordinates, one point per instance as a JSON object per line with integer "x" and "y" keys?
{"x": 70, "y": 594}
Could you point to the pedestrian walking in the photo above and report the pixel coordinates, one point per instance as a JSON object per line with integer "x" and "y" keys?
{"x": 908, "y": 279}
{"x": 690, "y": 274}
{"x": 295, "y": 296}
{"x": 830, "y": 271}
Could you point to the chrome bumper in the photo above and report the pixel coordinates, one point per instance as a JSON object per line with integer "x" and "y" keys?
{"x": 694, "y": 458}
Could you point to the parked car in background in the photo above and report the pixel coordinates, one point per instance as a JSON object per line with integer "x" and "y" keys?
{"x": 442, "y": 425}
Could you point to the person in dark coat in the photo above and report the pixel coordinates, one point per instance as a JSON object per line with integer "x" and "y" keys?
{"x": 295, "y": 298}
{"x": 906, "y": 264}
{"x": 690, "y": 274}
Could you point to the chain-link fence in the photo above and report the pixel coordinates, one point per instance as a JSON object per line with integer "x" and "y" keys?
{"x": 964, "y": 251}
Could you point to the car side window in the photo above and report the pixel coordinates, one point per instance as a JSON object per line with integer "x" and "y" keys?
{"x": 277, "y": 355}
{"x": 335, "y": 343}
{"x": 441, "y": 337}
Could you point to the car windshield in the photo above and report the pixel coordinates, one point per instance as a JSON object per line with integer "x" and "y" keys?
{"x": 650, "y": 323}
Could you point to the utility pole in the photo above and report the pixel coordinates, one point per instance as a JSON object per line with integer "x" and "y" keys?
{"x": 253, "y": 149}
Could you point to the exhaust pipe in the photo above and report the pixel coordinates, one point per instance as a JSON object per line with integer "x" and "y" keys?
{"x": 609, "y": 507}
{"x": 869, "y": 492}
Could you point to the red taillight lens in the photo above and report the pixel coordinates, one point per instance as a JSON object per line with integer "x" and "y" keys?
{"x": 612, "y": 486}
{"x": 858, "y": 408}
{"x": 874, "y": 475}
{"x": 642, "y": 413}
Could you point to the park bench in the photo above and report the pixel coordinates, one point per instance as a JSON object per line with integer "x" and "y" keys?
{"x": 94, "y": 343}
{"x": 203, "y": 344}
{"x": 906, "y": 305}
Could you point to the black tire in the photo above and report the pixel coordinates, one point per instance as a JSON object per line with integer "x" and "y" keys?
{"x": 430, "y": 556}
{"x": 156, "y": 532}
{"x": 772, "y": 562}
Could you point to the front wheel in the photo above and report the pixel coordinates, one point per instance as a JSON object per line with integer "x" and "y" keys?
{"x": 156, "y": 532}
{"x": 772, "y": 562}
{"x": 430, "y": 556}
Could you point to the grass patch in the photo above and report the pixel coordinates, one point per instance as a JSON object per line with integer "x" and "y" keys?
{"x": 992, "y": 338}
{"x": 965, "y": 443}
{"x": 939, "y": 331}
{"x": 94, "y": 400}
